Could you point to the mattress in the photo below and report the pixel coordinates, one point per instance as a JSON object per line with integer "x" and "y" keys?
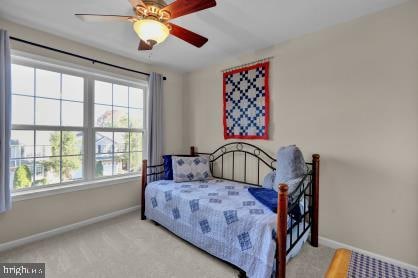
{"x": 220, "y": 217}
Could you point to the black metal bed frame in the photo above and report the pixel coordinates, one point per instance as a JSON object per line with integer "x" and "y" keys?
{"x": 249, "y": 151}
{"x": 304, "y": 191}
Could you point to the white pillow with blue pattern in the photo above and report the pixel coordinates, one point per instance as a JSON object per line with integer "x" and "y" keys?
{"x": 190, "y": 169}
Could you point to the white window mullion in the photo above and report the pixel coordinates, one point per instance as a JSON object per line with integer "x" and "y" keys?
{"x": 61, "y": 135}
{"x": 129, "y": 133}
{"x": 34, "y": 129}
{"x": 90, "y": 145}
{"x": 47, "y": 128}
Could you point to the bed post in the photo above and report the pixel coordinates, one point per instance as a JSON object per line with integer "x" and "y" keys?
{"x": 315, "y": 194}
{"x": 144, "y": 185}
{"x": 192, "y": 151}
{"x": 281, "y": 232}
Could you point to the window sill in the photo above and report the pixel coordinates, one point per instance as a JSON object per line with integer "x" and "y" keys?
{"x": 60, "y": 189}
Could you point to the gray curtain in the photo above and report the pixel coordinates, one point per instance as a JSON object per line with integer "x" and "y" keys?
{"x": 155, "y": 119}
{"x": 5, "y": 121}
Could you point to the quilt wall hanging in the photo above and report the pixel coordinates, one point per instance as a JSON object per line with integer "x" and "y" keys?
{"x": 246, "y": 101}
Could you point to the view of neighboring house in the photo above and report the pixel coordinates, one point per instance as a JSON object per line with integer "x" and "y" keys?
{"x": 104, "y": 158}
{"x": 22, "y": 155}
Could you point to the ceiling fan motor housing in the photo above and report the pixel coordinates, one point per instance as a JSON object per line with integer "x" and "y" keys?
{"x": 153, "y": 10}
{"x": 159, "y": 3}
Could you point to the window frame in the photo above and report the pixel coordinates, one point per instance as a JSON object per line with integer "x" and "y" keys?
{"x": 89, "y": 75}
{"x": 114, "y": 129}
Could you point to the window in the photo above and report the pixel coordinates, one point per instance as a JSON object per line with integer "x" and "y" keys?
{"x": 57, "y": 140}
{"x": 47, "y": 137}
{"x": 118, "y": 124}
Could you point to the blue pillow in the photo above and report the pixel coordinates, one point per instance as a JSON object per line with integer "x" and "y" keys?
{"x": 168, "y": 167}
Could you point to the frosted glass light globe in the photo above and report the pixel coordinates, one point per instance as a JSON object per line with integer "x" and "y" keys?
{"x": 151, "y": 30}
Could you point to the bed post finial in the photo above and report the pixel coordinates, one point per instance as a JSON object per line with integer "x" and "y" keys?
{"x": 281, "y": 231}
{"x": 315, "y": 194}
{"x": 144, "y": 185}
{"x": 192, "y": 151}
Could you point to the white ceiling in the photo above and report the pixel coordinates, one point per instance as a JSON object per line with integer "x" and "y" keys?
{"x": 233, "y": 27}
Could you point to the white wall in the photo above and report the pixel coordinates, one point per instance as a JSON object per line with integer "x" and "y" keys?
{"x": 37, "y": 215}
{"x": 349, "y": 93}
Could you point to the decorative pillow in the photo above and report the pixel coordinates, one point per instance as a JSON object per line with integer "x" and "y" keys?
{"x": 190, "y": 168}
{"x": 291, "y": 167}
{"x": 168, "y": 167}
{"x": 268, "y": 181}
{"x": 292, "y": 184}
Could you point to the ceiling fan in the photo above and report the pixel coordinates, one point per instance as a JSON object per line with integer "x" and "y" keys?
{"x": 151, "y": 20}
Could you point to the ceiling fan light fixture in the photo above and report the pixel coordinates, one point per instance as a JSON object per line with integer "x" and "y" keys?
{"x": 151, "y": 30}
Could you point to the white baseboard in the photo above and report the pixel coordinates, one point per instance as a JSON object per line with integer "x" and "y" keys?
{"x": 335, "y": 245}
{"x": 22, "y": 241}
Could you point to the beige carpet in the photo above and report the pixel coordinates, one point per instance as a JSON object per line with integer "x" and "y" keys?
{"x": 128, "y": 247}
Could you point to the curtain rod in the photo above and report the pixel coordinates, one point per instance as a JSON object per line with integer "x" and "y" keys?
{"x": 94, "y": 61}
{"x": 248, "y": 64}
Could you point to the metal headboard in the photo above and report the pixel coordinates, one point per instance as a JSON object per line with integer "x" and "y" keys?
{"x": 250, "y": 152}
{"x": 303, "y": 192}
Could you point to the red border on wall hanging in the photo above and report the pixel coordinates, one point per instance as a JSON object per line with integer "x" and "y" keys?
{"x": 243, "y": 132}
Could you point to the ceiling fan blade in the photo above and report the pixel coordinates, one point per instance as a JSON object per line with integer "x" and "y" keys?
{"x": 144, "y": 46}
{"x": 183, "y": 7}
{"x": 102, "y": 17}
{"x": 135, "y": 3}
{"x": 188, "y": 36}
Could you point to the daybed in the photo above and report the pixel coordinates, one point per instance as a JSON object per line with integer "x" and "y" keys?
{"x": 222, "y": 218}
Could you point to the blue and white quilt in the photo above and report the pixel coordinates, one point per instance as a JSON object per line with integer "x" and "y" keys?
{"x": 219, "y": 216}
